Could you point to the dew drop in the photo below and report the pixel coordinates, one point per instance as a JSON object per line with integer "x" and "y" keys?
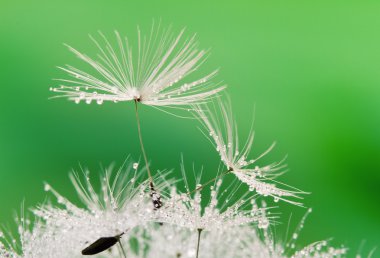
{"x": 47, "y": 187}
{"x": 263, "y": 223}
{"x": 135, "y": 165}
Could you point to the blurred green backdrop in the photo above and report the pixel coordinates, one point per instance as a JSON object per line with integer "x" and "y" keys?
{"x": 312, "y": 69}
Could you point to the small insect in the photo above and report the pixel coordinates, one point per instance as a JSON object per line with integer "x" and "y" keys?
{"x": 102, "y": 244}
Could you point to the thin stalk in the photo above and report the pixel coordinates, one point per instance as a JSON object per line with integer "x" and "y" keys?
{"x": 209, "y": 182}
{"x": 122, "y": 249}
{"x": 199, "y": 240}
{"x": 142, "y": 145}
{"x": 156, "y": 199}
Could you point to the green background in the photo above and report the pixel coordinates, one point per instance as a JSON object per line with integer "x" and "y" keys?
{"x": 311, "y": 69}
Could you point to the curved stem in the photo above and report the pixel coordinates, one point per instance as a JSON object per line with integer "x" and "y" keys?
{"x": 142, "y": 145}
{"x": 199, "y": 240}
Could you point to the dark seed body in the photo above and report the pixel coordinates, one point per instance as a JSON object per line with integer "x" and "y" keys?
{"x": 100, "y": 245}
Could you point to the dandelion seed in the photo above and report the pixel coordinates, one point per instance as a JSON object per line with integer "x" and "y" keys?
{"x": 153, "y": 75}
{"x": 259, "y": 179}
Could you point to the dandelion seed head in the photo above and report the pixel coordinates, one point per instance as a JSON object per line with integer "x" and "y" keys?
{"x": 153, "y": 73}
{"x": 65, "y": 231}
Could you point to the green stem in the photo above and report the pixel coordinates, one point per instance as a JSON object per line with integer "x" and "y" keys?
{"x": 142, "y": 145}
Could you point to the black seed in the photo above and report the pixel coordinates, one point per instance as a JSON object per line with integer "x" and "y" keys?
{"x": 101, "y": 244}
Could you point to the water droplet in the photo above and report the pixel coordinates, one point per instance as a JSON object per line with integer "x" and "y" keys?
{"x": 99, "y": 101}
{"x": 47, "y": 187}
{"x": 263, "y": 223}
{"x": 135, "y": 165}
